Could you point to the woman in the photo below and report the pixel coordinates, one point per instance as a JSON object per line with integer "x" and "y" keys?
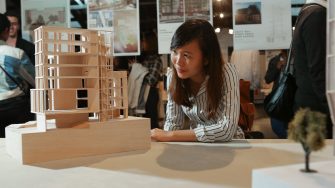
{"x": 203, "y": 90}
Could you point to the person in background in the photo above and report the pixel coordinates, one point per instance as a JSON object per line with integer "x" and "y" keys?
{"x": 150, "y": 59}
{"x": 309, "y": 53}
{"x": 203, "y": 91}
{"x": 275, "y": 68}
{"x": 121, "y": 63}
{"x": 15, "y": 38}
{"x": 16, "y": 72}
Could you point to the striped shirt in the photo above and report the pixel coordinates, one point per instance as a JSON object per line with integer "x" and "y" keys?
{"x": 222, "y": 127}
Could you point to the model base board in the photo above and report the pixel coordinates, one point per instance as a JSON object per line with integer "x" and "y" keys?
{"x": 290, "y": 176}
{"x": 28, "y": 145}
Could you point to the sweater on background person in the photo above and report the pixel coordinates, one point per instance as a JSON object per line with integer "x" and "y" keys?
{"x": 135, "y": 82}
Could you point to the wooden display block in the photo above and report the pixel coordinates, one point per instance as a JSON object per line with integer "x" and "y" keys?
{"x": 28, "y": 145}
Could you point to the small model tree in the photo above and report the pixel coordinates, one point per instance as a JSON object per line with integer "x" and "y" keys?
{"x": 308, "y": 128}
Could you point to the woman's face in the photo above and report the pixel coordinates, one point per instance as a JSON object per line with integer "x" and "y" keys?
{"x": 188, "y": 62}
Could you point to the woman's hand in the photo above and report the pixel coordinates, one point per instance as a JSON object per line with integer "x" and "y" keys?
{"x": 161, "y": 135}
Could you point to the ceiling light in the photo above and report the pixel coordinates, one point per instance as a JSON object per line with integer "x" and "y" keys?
{"x": 231, "y": 31}
{"x": 217, "y": 30}
{"x": 221, "y": 15}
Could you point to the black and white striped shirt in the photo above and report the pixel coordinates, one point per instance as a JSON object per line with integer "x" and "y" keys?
{"x": 224, "y": 126}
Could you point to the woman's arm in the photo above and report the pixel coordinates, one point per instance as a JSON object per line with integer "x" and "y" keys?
{"x": 225, "y": 126}
{"x": 173, "y": 136}
{"x": 174, "y": 122}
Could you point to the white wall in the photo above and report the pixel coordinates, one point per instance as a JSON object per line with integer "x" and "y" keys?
{"x": 2, "y": 6}
{"x": 225, "y": 40}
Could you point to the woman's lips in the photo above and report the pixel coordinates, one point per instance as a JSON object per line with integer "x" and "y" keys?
{"x": 180, "y": 70}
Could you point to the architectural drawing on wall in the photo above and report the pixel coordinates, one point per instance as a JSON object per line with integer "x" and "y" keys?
{"x": 262, "y": 24}
{"x": 200, "y": 9}
{"x": 172, "y": 13}
{"x": 77, "y": 95}
{"x": 121, "y": 17}
{"x": 36, "y": 13}
{"x": 277, "y": 32}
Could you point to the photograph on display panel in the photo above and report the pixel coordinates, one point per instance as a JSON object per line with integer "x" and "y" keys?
{"x": 101, "y": 19}
{"x": 122, "y": 18}
{"x": 248, "y": 13}
{"x": 262, "y": 24}
{"x": 125, "y": 33}
{"x": 172, "y": 13}
{"x": 177, "y": 11}
{"x": 96, "y": 5}
{"x": 197, "y": 9}
{"x": 36, "y": 13}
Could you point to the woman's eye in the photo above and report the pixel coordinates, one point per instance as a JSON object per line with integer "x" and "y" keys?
{"x": 173, "y": 53}
{"x": 187, "y": 56}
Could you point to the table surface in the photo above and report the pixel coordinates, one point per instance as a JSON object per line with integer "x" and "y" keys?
{"x": 164, "y": 165}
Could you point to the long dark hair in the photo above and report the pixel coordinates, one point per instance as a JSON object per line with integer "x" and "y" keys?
{"x": 203, "y": 32}
{"x": 4, "y": 23}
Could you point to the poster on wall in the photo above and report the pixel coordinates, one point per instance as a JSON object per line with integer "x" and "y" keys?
{"x": 172, "y": 13}
{"x": 120, "y": 17}
{"x": 35, "y": 13}
{"x": 2, "y": 6}
{"x": 262, "y": 24}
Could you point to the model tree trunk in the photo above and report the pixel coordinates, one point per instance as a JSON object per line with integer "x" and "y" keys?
{"x": 307, "y": 154}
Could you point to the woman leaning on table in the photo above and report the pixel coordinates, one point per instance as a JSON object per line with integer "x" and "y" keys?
{"x": 203, "y": 91}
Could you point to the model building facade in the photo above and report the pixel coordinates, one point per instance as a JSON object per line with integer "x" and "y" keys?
{"x": 75, "y": 77}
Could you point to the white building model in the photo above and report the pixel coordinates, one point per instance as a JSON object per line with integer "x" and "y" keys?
{"x": 75, "y": 79}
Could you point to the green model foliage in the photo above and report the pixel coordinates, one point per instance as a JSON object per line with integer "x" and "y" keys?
{"x": 308, "y": 127}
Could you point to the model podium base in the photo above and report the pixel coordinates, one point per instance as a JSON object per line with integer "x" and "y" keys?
{"x": 28, "y": 145}
{"x": 291, "y": 177}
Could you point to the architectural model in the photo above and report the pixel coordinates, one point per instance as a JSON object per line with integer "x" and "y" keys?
{"x": 80, "y": 103}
